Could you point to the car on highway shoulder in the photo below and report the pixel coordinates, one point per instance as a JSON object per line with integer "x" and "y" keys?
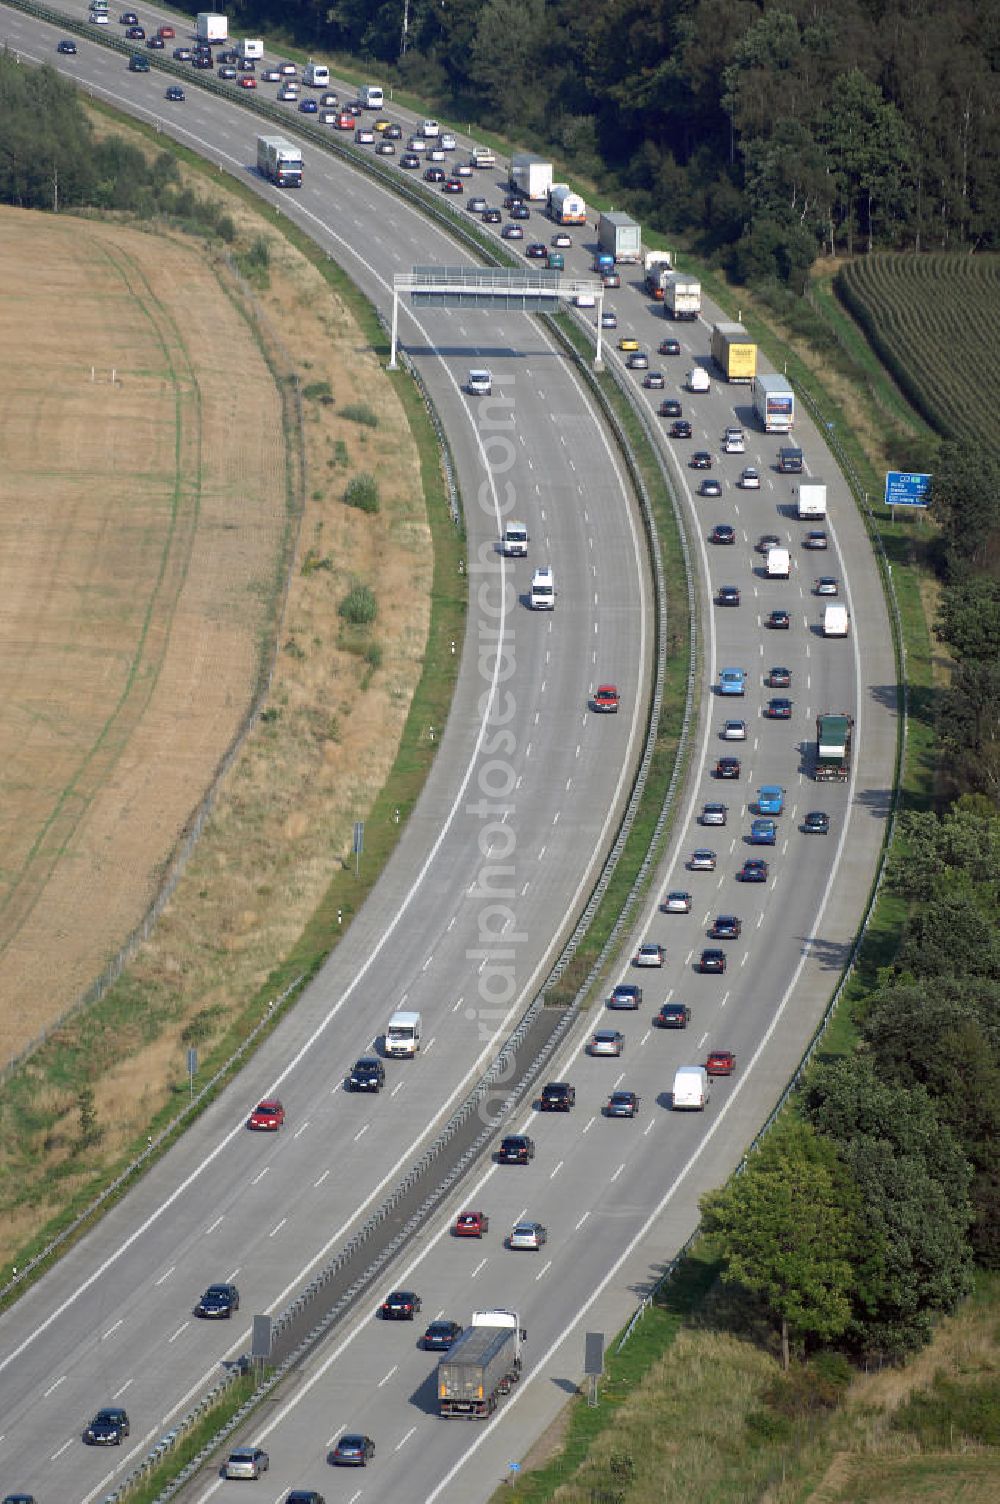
{"x": 471, "y": 1225}
{"x": 218, "y": 1303}
{"x": 676, "y": 902}
{"x": 440, "y": 1336}
{"x": 400, "y": 1305}
{"x": 649, "y": 954}
{"x": 622, "y": 1104}
{"x": 720, "y": 1063}
{"x": 267, "y": 1116}
{"x": 246, "y": 1462}
{"x": 625, "y": 998}
{"x": 672, "y": 1016}
{"x": 702, "y": 860}
{"x": 527, "y": 1235}
{"x": 816, "y": 823}
{"x": 353, "y": 1450}
{"x": 606, "y": 1042}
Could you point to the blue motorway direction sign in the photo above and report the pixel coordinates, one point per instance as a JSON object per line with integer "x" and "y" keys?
{"x": 904, "y": 489}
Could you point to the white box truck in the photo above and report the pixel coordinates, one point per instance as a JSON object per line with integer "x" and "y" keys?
{"x": 316, "y": 75}
{"x": 530, "y": 176}
{"x": 692, "y": 1087}
{"x": 211, "y": 27}
{"x": 279, "y": 161}
{"x": 681, "y": 296}
{"x": 565, "y": 206}
{"x": 372, "y": 96}
{"x": 402, "y": 1034}
{"x": 778, "y": 564}
{"x": 250, "y": 49}
{"x": 774, "y": 403}
{"x": 515, "y": 540}
{"x": 811, "y": 498}
{"x": 482, "y": 156}
{"x": 836, "y": 621}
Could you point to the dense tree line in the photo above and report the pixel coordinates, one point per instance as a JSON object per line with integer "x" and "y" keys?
{"x": 764, "y": 131}
{"x": 50, "y": 159}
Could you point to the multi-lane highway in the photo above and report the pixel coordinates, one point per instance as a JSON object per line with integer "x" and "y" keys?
{"x": 528, "y": 781}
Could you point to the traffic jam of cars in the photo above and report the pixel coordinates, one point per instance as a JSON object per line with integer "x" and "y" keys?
{"x": 758, "y": 810}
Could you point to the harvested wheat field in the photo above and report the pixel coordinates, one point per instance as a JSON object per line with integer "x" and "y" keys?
{"x": 142, "y": 516}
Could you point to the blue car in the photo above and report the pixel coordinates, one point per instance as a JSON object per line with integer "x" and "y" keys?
{"x": 763, "y": 833}
{"x": 770, "y": 799}
{"x": 732, "y": 681}
{"x": 309, "y": 107}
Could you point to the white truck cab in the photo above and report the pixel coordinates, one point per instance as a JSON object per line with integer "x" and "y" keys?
{"x": 480, "y": 382}
{"x": 402, "y": 1034}
{"x": 316, "y": 75}
{"x": 735, "y": 441}
{"x": 373, "y": 97}
{"x": 515, "y": 540}
{"x": 543, "y": 590}
{"x": 482, "y": 156}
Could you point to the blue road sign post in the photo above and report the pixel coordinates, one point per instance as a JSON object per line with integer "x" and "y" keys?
{"x": 359, "y": 844}
{"x": 903, "y": 488}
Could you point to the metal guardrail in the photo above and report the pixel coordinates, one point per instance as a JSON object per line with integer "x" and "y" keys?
{"x": 899, "y": 646}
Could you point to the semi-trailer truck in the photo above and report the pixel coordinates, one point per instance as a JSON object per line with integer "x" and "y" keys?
{"x": 481, "y": 1366}
{"x": 530, "y": 176}
{"x": 774, "y": 403}
{"x": 211, "y": 27}
{"x": 656, "y": 265}
{"x": 565, "y": 206}
{"x": 279, "y": 161}
{"x": 734, "y": 352}
{"x": 621, "y": 236}
{"x": 681, "y": 296}
{"x": 833, "y": 748}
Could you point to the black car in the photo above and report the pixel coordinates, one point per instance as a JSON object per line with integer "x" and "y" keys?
{"x": 108, "y": 1428}
{"x": 128, "y": 18}
{"x": 409, "y": 159}
{"x": 779, "y": 678}
{"x": 512, "y": 232}
{"x": 400, "y": 1305}
{"x": 670, "y": 347}
{"x": 754, "y": 870}
{"x": 727, "y": 767}
{"x": 175, "y": 92}
{"x": 557, "y": 1096}
{"x": 492, "y": 216}
{"x": 202, "y": 60}
{"x": 138, "y": 64}
{"x": 670, "y": 408}
{"x": 67, "y": 47}
{"x": 816, "y": 823}
{"x": 672, "y": 1016}
{"x": 727, "y": 927}
{"x": 367, "y": 1074}
{"x": 351, "y": 1451}
{"x": 394, "y": 132}
{"x": 453, "y": 185}
{"x": 182, "y": 54}
{"x": 136, "y": 34}
{"x": 728, "y": 595}
{"x": 305, "y": 1496}
{"x": 681, "y": 429}
{"x": 218, "y": 1303}
{"x": 722, "y": 533}
{"x": 440, "y": 1335}
{"x": 435, "y": 175}
{"x": 516, "y": 1149}
{"x": 779, "y": 621}
{"x": 228, "y": 71}
{"x": 519, "y": 210}
{"x": 156, "y": 43}
{"x": 700, "y": 460}
{"x": 712, "y": 961}
{"x": 536, "y": 251}
{"x": 778, "y": 709}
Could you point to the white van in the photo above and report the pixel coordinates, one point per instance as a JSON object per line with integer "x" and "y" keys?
{"x": 692, "y": 1086}
{"x": 480, "y": 383}
{"x": 402, "y": 1034}
{"x": 430, "y": 130}
{"x": 316, "y": 75}
{"x": 515, "y": 540}
{"x": 373, "y": 97}
{"x": 543, "y": 590}
{"x": 482, "y": 157}
{"x": 836, "y": 622}
{"x": 698, "y": 380}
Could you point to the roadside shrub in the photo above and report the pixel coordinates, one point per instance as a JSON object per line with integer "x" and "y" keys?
{"x": 319, "y": 391}
{"x": 362, "y": 492}
{"x": 360, "y": 412}
{"x": 359, "y": 606}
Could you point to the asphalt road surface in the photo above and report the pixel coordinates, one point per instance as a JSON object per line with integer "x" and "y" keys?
{"x": 112, "y": 1322}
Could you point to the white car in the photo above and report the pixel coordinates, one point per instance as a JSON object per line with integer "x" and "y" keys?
{"x": 676, "y": 903}
{"x": 416, "y": 143}
{"x": 288, "y": 92}
{"x": 734, "y": 441}
{"x": 448, "y": 142}
{"x": 430, "y": 128}
{"x": 530, "y": 1235}
{"x": 734, "y": 731}
{"x": 750, "y": 479}
{"x": 98, "y": 18}
{"x": 436, "y": 154}
{"x": 585, "y": 300}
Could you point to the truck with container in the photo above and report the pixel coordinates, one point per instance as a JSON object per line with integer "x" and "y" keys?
{"x": 734, "y": 352}
{"x": 810, "y": 499}
{"x": 833, "y": 748}
{"x": 279, "y": 161}
{"x": 692, "y": 1087}
{"x": 778, "y": 564}
{"x": 250, "y": 49}
{"x": 211, "y": 27}
{"x": 774, "y": 403}
{"x": 402, "y": 1034}
{"x": 836, "y": 621}
{"x": 656, "y": 264}
{"x": 621, "y": 236}
{"x": 565, "y": 206}
{"x": 481, "y": 1366}
{"x": 530, "y": 176}
{"x": 681, "y": 296}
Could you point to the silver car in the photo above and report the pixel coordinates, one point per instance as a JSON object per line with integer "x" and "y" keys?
{"x": 702, "y": 860}
{"x": 676, "y": 903}
{"x": 529, "y": 1235}
{"x": 606, "y": 1042}
{"x": 734, "y": 731}
{"x": 713, "y": 814}
{"x": 247, "y": 1462}
{"x": 750, "y": 479}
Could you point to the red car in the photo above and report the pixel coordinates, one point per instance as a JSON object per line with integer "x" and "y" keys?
{"x": 471, "y": 1225}
{"x": 166, "y": 32}
{"x": 267, "y": 1116}
{"x": 247, "y": 81}
{"x": 607, "y": 698}
{"x": 345, "y": 121}
{"x": 720, "y": 1063}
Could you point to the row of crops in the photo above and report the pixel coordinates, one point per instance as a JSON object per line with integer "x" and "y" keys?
{"x": 933, "y": 320}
